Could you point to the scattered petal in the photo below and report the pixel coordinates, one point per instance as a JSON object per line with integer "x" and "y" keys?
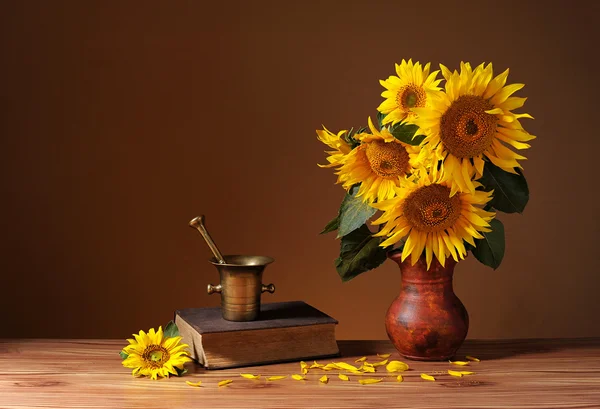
{"x": 249, "y": 376}
{"x": 298, "y": 377}
{"x": 367, "y": 368}
{"x": 343, "y": 377}
{"x": 369, "y": 381}
{"x": 276, "y": 378}
{"x": 303, "y": 367}
{"x": 380, "y": 363}
{"x": 316, "y": 365}
{"x": 396, "y": 366}
{"x": 472, "y": 358}
{"x": 324, "y": 379}
{"x": 330, "y": 366}
{"x": 399, "y": 378}
{"x": 344, "y": 365}
{"x": 461, "y": 363}
{"x": 196, "y": 384}
{"x": 363, "y": 359}
{"x": 427, "y": 377}
{"x": 466, "y": 373}
{"x": 225, "y": 382}
{"x": 384, "y": 356}
{"x": 455, "y": 373}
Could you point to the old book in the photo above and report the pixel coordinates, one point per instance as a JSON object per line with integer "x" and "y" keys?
{"x": 284, "y": 331}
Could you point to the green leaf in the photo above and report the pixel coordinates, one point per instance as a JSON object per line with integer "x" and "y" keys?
{"x": 171, "y": 330}
{"x": 180, "y": 372}
{"x": 353, "y": 213}
{"x": 490, "y": 249}
{"x": 359, "y": 252}
{"x": 511, "y": 192}
{"x": 407, "y": 133}
{"x": 380, "y": 118}
{"x": 333, "y": 225}
{"x": 123, "y": 355}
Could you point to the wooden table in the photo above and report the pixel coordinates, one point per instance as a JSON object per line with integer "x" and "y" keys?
{"x": 516, "y": 374}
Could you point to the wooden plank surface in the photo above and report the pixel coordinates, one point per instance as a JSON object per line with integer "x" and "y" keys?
{"x": 516, "y": 374}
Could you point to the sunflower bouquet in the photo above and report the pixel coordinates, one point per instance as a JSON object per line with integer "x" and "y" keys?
{"x": 438, "y": 166}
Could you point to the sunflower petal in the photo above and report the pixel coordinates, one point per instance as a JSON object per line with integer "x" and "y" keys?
{"x": 369, "y": 381}
{"x": 276, "y": 378}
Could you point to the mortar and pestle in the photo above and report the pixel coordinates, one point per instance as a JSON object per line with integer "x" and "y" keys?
{"x": 241, "y": 279}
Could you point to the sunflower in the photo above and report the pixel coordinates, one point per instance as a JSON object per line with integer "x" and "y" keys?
{"x": 154, "y": 355}
{"x": 410, "y": 89}
{"x": 473, "y": 120}
{"x": 336, "y": 142}
{"x": 430, "y": 218}
{"x": 379, "y": 164}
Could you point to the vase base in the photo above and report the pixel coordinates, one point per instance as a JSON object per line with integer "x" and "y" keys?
{"x": 425, "y": 358}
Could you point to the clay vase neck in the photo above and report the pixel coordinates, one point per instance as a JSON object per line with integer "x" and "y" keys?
{"x": 426, "y": 321}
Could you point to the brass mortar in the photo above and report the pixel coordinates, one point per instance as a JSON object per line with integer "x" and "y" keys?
{"x": 241, "y": 286}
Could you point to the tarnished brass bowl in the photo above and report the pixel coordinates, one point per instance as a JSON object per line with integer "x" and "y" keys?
{"x": 241, "y": 286}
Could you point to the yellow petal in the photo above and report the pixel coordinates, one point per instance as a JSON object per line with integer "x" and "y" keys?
{"x": 396, "y": 366}
{"x": 461, "y": 363}
{"x": 298, "y": 377}
{"x": 344, "y": 365}
{"x": 466, "y": 373}
{"x": 324, "y": 379}
{"x": 316, "y": 365}
{"x": 330, "y": 366}
{"x": 472, "y": 358}
{"x": 364, "y": 358}
{"x": 367, "y": 368}
{"x": 249, "y": 376}
{"x": 194, "y": 384}
{"x": 225, "y": 382}
{"x": 380, "y": 363}
{"x": 455, "y": 373}
{"x": 276, "y": 378}
{"x": 427, "y": 377}
{"x": 369, "y": 381}
{"x": 304, "y": 371}
{"x": 399, "y": 378}
{"x": 343, "y": 377}
{"x": 384, "y": 356}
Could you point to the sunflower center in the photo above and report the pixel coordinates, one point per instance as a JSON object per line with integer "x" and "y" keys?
{"x": 411, "y": 96}
{"x": 387, "y": 159}
{"x": 431, "y": 209}
{"x": 155, "y": 356}
{"x": 465, "y": 129}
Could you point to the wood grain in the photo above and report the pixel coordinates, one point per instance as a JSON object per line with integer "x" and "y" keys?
{"x": 516, "y": 374}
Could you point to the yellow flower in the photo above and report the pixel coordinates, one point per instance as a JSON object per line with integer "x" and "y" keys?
{"x": 154, "y": 355}
{"x": 473, "y": 120}
{"x": 379, "y": 164}
{"x": 337, "y": 143}
{"x": 412, "y": 88}
{"x": 433, "y": 220}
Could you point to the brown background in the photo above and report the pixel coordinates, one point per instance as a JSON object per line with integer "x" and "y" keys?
{"x": 123, "y": 120}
